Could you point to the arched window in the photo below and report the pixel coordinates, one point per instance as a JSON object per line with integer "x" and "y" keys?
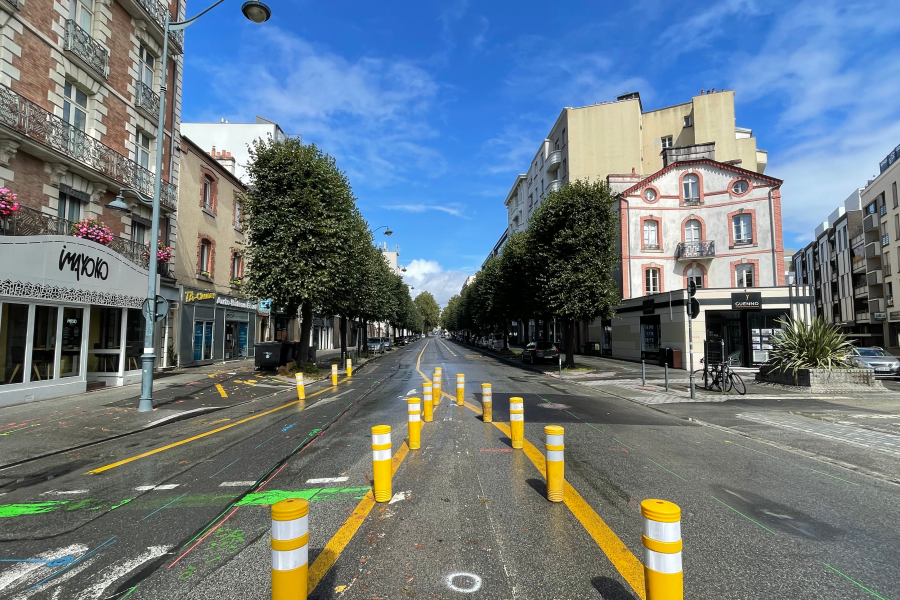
{"x": 692, "y": 231}
{"x": 696, "y": 275}
{"x": 691, "y": 188}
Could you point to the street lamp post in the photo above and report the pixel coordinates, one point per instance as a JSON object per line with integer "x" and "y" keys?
{"x": 258, "y": 13}
{"x": 387, "y": 230}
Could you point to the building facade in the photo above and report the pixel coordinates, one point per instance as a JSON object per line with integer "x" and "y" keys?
{"x": 79, "y": 86}
{"x": 236, "y": 137}
{"x": 592, "y": 142}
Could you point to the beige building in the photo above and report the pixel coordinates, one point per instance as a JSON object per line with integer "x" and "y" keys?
{"x": 593, "y": 142}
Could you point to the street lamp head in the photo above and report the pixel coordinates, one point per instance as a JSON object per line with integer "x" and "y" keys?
{"x": 388, "y": 232}
{"x": 256, "y": 11}
{"x": 118, "y": 204}
{"x": 403, "y": 269}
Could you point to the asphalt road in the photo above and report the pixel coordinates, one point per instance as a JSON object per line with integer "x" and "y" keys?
{"x": 469, "y": 516}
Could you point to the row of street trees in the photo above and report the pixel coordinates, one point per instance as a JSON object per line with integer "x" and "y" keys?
{"x": 309, "y": 248}
{"x": 562, "y": 266}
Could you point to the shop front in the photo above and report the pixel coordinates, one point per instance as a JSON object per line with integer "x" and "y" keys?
{"x": 240, "y": 326}
{"x": 215, "y": 327}
{"x": 70, "y": 316}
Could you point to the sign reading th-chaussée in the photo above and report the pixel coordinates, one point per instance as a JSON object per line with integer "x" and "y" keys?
{"x": 746, "y": 300}
{"x": 192, "y": 296}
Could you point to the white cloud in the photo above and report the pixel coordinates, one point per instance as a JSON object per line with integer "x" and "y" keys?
{"x": 429, "y": 276}
{"x": 454, "y": 209}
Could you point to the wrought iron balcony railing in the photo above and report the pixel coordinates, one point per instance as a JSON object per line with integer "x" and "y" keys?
{"x": 157, "y": 10}
{"x": 39, "y": 124}
{"x": 81, "y": 44}
{"x": 166, "y": 270}
{"x": 692, "y": 250}
{"x": 27, "y": 221}
{"x": 13, "y": 3}
{"x": 147, "y": 99}
{"x": 691, "y": 202}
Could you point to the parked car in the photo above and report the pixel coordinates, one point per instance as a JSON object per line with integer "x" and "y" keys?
{"x": 400, "y": 340}
{"x": 495, "y": 341}
{"x": 386, "y": 343}
{"x": 882, "y": 362}
{"x": 375, "y": 345}
{"x": 540, "y": 352}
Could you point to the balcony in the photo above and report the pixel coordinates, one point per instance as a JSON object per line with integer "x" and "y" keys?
{"x": 875, "y": 305}
{"x": 873, "y": 250}
{"x": 883, "y": 210}
{"x": 862, "y": 315}
{"x": 695, "y": 250}
{"x": 691, "y": 202}
{"x": 34, "y": 123}
{"x": 146, "y": 100}
{"x": 27, "y": 221}
{"x": 886, "y": 269}
{"x": 874, "y": 278}
{"x": 833, "y": 277}
{"x": 890, "y": 301}
{"x": 85, "y": 48}
{"x": 885, "y": 240}
{"x": 870, "y": 222}
{"x": 860, "y": 291}
{"x": 858, "y": 240}
{"x": 166, "y": 270}
{"x": 157, "y": 12}
{"x": 553, "y": 161}
{"x": 859, "y": 264}
{"x": 554, "y": 186}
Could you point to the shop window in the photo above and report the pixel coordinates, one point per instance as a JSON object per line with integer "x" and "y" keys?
{"x": 696, "y": 275}
{"x": 690, "y": 187}
{"x": 651, "y": 234}
{"x": 43, "y": 343}
{"x": 105, "y": 339}
{"x": 692, "y": 230}
{"x": 203, "y": 340}
{"x": 13, "y": 335}
{"x": 651, "y": 281}
{"x": 743, "y": 275}
{"x": 70, "y": 355}
{"x": 134, "y": 339}
{"x": 742, "y": 225}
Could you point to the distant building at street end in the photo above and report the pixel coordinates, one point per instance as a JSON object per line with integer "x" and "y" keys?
{"x": 592, "y": 142}
{"x": 235, "y": 137}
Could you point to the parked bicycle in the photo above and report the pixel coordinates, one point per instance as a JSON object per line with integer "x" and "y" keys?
{"x": 719, "y": 376}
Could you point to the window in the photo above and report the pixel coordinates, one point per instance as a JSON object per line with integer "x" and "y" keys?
{"x": 667, "y": 141}
{"x": 651, "y": 234}
{"x": 871, "y": 209}
{"x": 742, "y": 229}
{"x": 696, "y": 275}
{"x": 651, "y": 281}
{"x": 145, "y": 67}
{"x": 14, "y": 325}
{"x": 74, "y": 107}
{"x": 205, "y": 255}
{"x": 692, "y": 231}
{"x": 691, "y": 188}
{"x": 236, "y": 270}
{"x": 740, "y": 187}
{"x": 69, "y": 208}
{"x": 207, "y": 192}
{"x": 688, "y": 121}
{"x": 650, "y": 195}
{"x": 897, "y": 227}
{"x": 743, "y": 275}
{"x": 138, "y": 233}
{"x": 564, "y": 168}
{"x": 894, "y": 192}
{"x": 238, "y": 214}
{"x": 82, "y": 12}
{"x": 142, "y": 149}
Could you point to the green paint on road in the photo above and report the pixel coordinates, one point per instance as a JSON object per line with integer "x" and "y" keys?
{"x": 30, "y": 508}
{"x": 314, "y": 495}
{"x": 854, "y": 581}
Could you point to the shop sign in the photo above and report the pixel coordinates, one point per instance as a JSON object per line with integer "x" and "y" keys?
{"x": 265, "y": 305}
{"x": 895, "y": 316}
{"x": 880, "y": 316}
{"x": 746, "y": 300}
{"x": 236, "y": 302}
{"x": 192, "y": 296}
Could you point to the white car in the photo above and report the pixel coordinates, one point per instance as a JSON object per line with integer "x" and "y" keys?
{"x": 495, "y": 341}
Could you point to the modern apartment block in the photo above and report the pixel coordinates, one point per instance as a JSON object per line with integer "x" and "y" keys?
{"x": 236, "y": 137}
{"x": 79, "y": 101}
{"x": 592, "y": 142}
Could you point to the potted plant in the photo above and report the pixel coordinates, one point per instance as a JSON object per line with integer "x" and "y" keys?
{"x": 94, "y": 230}
{"x": 8, "y": 204}
{"x": 163, "y": 253}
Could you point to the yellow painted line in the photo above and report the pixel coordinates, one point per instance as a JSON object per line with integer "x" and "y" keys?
{"x": 448, "y": 348}
{"x": 221, "y": 390}
{"x": 419, "y": 362}
{"x": 203, "y": 435}
{"x": 342, "y": 537}
{"x": 629, "y": 566}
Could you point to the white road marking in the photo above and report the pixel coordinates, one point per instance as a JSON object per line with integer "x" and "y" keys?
{"x": 401, "y": 496}
{"x": 147, "y": 488}
{"x": 412, "y": 392}
{"x": 114, "y": 572}
{"x": 20, "y": 570}
{"x": 62, "y": 493}
{"x": 236, "y": 483}
{"x": 327, "y": 480}
{"x": 472, "y": 579}
{"x": 331, "y": 398}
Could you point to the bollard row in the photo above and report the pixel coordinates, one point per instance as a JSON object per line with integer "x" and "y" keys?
{"x": 429, "y": 402}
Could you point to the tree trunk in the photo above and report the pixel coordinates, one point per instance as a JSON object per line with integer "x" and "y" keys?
{"x": 364, "y": 336}
{"x": 343, "y": 329}
{"x": 306, "y": 316}
{"x": 569, "y": 343}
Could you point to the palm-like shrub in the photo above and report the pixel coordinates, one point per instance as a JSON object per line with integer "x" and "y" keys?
{"x": 819, "y": 345}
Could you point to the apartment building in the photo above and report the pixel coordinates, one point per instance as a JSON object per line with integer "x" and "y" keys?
{"x": 236, "y": 137}
{"x": 79, "y": 90}
{"x": 592, "y": 142}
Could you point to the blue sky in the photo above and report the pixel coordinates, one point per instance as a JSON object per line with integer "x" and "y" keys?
{"x": 433, "y": 108}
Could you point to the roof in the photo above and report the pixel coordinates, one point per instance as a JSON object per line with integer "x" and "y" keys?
{"x": 702, "y": 161}
{"x": 216, "y": 165}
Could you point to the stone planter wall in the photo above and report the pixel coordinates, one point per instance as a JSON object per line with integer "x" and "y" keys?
{"x": 821, "y": 379}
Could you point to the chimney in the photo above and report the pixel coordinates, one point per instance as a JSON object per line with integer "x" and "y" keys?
{"x": 224, "y": 158}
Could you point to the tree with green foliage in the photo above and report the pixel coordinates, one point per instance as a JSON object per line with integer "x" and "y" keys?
{"x": 819, "y": 345}
{"x": 572, "y": 241}
{"x": 450, "y": 314}
{"x": 429, "y": 309}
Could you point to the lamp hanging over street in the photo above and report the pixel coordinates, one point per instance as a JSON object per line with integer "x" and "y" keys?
{"x": 256, "y": 11}
{"x": 119, "y": 204}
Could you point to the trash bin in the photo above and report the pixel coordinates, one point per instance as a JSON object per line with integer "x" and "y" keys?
{"x": 270, "y": 355}
{"x": 676, "y": 359}
{"x": 665, "y": 357}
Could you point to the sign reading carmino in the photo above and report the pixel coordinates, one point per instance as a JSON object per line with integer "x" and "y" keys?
{"x": 746, "y": 300}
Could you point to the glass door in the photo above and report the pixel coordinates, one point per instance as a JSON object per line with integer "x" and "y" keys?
{"x": 70, "y": 354}
{"x": 203, "y": 337}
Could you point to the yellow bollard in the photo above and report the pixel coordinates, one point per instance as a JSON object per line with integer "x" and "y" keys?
{"x": 381, "y": 462}
{"x": 663, "y": 576}
{"x": 436, "y": 386}
{"x": 414, "y": 412}
{"x": 334, "y": 375}
{"x": 460, "y": 389}
{"x": 349, "y": 368}
{"x": 290, "y": 549}
{"x": 517, "y": 422}
{"x": 428, "y": 415}
{"x": 486, "y": 402}
{"x": 555, "y": 474}
{"x": 301, "y": 390}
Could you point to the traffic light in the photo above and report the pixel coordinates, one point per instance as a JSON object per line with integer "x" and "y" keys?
{"x": 693, "y": 307}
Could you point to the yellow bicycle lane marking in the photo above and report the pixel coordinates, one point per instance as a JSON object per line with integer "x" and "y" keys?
{"x": 221, "y": 390}
{"x": 211, "y": 432}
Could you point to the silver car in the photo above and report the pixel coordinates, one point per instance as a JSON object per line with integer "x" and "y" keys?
{"x": 882, "y": 362}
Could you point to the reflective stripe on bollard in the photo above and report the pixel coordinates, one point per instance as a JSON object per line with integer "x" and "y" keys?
{"x": 436, "y": 386}
{"x": 663, "y": 576}
{"x": 414, "y": 413}
{"x": 301, "y": 390}
{"x": 381, "y": 462}
{"x": 517, "y": 422}
{"x": 555, "y": 462}
{"x": 460, "y": 389}
{"x": 486, "y": 403}
{"x": 428, "y": 414}
{"x": 290, "y": 549}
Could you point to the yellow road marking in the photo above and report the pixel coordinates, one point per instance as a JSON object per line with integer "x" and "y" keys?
{"x": 419, "y": 362}
{"x": 342, "y": 537}
{"x": 203, "y": 435}
{"x": 448, "y": 348}
{"x": 221, "y": 390}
